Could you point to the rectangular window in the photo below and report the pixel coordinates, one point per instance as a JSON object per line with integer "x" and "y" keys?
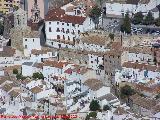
{"x": 58, "y": 30}
{"x": 67, "y": 31}
{"x": 62, "y": 23}
{"x": 25, "y": 39}
{"x": 63, "y": 30}
{"x": 49, "y": 22}
{"x": 67, "y": 24}
{"x": 73, "y": 25}
{"x": 50, "y": 29}
{"x": 57, "y": 23}
{"x": 33, "y": 40}
{"x": 58, "y": 36}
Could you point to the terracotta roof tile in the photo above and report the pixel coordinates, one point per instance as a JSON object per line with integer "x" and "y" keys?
{"x": 36, "y": 89}
{"x": 94, "y": 84}
{"x": 57, "y": 64}
{"x": 59, "y": 15}
{"x": 140, "y": 66}
{"x": 7, "y": 52}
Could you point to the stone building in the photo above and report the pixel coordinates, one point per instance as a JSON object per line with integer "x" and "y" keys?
{"x": 112, "y": 60}
{"x": 8, "y": 24}
{"x": 20, "y": 18}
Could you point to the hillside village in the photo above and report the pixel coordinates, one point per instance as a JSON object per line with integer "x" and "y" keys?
{"x": 85, "y": 59}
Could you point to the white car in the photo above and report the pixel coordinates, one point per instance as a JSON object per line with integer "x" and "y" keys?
{"x": 156, "y": 33}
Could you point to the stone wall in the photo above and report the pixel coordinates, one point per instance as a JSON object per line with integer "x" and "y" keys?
{"x": 17, "y": 35}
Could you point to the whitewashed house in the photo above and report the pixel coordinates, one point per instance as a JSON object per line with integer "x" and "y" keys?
{"x": 138, "y": 54}
{"x": 109, "y": 99}
{"x": 136, "y": 72}
{"x": 95, "y": 60}
{"x": 7, "y": 56}
{"x": 30, "y": 43}
{"x": 96, "y": 88}
{"x": 39, "y": 56}
{"x": 28, "y": 68}
{"x": 66, "y": 28}
{"x": 120, "y": 9}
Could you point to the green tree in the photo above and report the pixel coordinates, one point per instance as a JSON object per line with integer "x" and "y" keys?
{"x": 94, "y": 105}
{"x": 138, "y": 18}
{"x": 106, "y": 107}
{"x": 127, "y": 91}
{"x": 149, "y": 19}
{"x": 15, "y": 7}
{"x": 157, "y": 22}
{"x": 111, "y": 36}
{"x": 91, "y": 115}
{"x": 38, "y": 75}
{"x": 126, "y": 26}
{"x": 20, "y": 76}
{"x": 95, "y": 13}
{"x": 157, "y": 96}
{"x": 15, "y": 71}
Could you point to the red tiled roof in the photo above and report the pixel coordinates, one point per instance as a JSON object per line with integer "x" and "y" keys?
{"x": 59, "y": 15}
{"x": 140, "y": 66}
{"x": 57, "y": 64}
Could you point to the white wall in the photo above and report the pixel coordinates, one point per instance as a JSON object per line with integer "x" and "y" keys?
{"x": 102, "y": 91}
{"x": 30, "y": 44}
{"x": 95, "y": 61}
{"x": 53, "y": 25}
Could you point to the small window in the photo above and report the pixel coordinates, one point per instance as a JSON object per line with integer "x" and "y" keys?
{"x": 73, "y": 25}
{"x": 78, "y": 31}
{"x": 68, "y": 38}
{"x": 58, "y": 30}
{"x": 58, "y": 36}
{"x": 57, "y": 23}
{"x": 50, "y": 29}
{"x": 62, "y": 23}
{"x": 33, "y": 40}
{"x": 91, "y": 61}
{"x": 25, "y": 39}
{"x": 25, "y": 46}
{"x": 49, "y": 22}
{"x": 67, "y": 24}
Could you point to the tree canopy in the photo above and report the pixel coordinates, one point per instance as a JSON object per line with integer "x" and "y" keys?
{"x": 94, "y": 105}
{"x": 106, "y": 107}
{"x": 149, "y": 19}
{"x": 15, "y": 71}
{"x": 111, "y": 36}
{"x": 126, "y": 26}
{"x": 38, "y": 75}
{"x": 138, "y": 18}
{"x": 157, "y": 22}
{"x": 91, "y": 115}
{"x": 95, "y": 13}
{"x": 127, "y": 91}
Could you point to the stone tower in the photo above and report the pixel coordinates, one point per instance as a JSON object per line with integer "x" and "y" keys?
{"x": 20, "y": 18}
{"x": 35, "y": 13}
{"x": 36, "y": 9}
